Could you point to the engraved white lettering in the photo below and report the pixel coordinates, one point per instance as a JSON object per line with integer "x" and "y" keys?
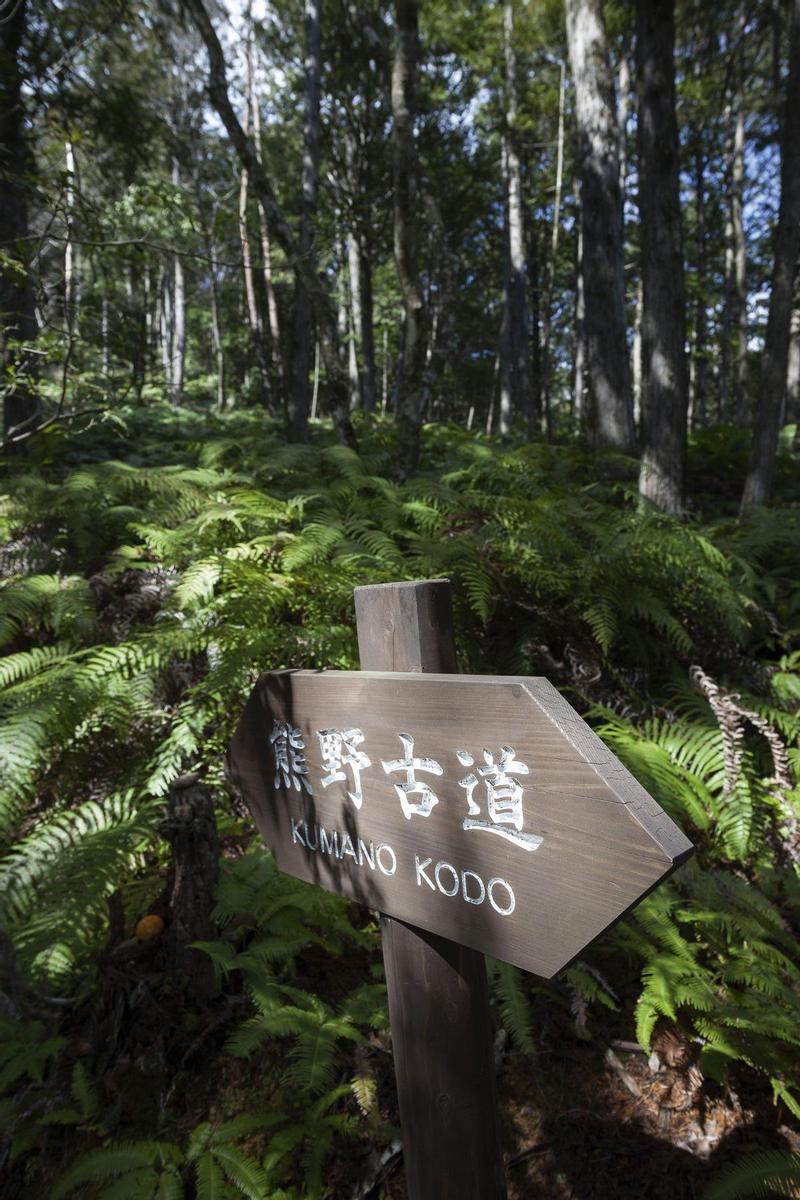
{"x": 366, "y": 853}
{"x": 419, "y": 867}
{"x": 384, "y": 846}
{"x": 347, "y": 847}
{"x": 479, "y": 899}
{"x": 512, "y": 902}
{"x": 329, "y": 845}
{"x": 445, "y": 866}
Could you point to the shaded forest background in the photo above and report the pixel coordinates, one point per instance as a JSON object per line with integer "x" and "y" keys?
{"x": 299, "y": 297}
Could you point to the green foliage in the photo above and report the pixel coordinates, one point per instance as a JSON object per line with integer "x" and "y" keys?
{"x": 772, "y": 1173}
{"x": 212, "y": 1163}
{"x": 140, "y": 605}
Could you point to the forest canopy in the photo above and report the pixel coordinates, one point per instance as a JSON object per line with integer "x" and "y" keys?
{"x": 297, "y": 297}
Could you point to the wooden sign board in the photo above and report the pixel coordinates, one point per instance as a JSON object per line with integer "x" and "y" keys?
{"x": 480, "y": 808}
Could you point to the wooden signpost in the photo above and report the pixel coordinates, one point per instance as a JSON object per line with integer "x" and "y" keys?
{"x": 477, "y": 814}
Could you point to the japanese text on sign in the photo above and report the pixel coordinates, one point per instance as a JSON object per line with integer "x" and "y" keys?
{"x": 496, "y": 782}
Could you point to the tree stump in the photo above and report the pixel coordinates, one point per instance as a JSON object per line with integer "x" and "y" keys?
{"x": 191, "y": 829}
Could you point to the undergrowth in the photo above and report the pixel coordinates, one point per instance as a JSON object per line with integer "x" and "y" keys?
{"x": 153, "y": 566}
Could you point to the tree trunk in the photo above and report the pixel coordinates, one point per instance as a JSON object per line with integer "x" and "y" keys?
{"x": 550, "y": 269}
{"x": 506, "y": 352}
{"x": 273, "y": 320}
{"x": 611, "y": 408}
{"x": 698, "y": 362}
{"x": 369, "y": 388}
{"x": 517, "y": 289}
{"x": 356, "y": 317}
{"x": 216, "y": 324}
{"x": 758, "y": 485}
{"x": 792, "y": 406}
{"x": 579, "y": 378}
{"x": 662, "y": 479}
{"x": 739, "y": 247}
{"x": 253, "y": 314}
{"x": 191, "y": 829}
{"x": 71, "y": 266}
{"x": 636, "y": 356}
{"x": 303, "y": 332}
{"x": 623, "y": 108}
{"x": 167, "y": 331}
{"x": 304, "y": 265}
{"x": 17, "y": 308}
{"x": 179, "y": 314}
{"x": 405, "y": 176}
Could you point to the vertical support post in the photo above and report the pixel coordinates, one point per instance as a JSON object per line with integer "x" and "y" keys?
{"x": 438, "y": 995}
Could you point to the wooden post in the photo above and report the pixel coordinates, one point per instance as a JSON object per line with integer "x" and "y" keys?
{"x": 438, "y": 995}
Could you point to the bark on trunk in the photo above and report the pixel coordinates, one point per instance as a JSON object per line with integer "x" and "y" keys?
{"x": 550, "y": 270}
{"x": 191, "y": 829}
{"x": 611, "y": 408}
{"x": 17, "y": 308}
{"x": 179, "y": 315}
{"x": 71, "y": 265}
{"x": 662, "y": 478}
{"x": 698, "y": 364}
{"x": 355, "y": 315}
{"x": 742, "y": 398}
{"x": 405, "y": 176}
{"x": 369, "y": 390}
{"x": 519, "y": 371}
{"x": 792, "y": 407}
{"x": 275, "y": 357}
{"x": 304, "y": 266}
{"x": 579, "y": 379}
{"x": 217, "y": 347}
{"x": 303, "y": 332}
{"x": 759, "y": 482}
{"x": 253, "y": 314}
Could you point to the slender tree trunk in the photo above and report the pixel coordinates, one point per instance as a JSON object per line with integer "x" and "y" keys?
{"x": 302, "y": 321}
{"x": 71, "y": 266}
{"x": 17, "y": 307}
{"x": 792, "y": 406}
{"x": 167, "y": 331}
{"x": 579, "y": 379}
{"x": 662, "y": 480}
{"x": 742, "y": 399}
{"x": 405, "y": 175}
{"x": 253, "y": 313}
{"x": 759, "y": 482}
{"x": 305, "y": 268}
{"x": 698, "y": 363}
{"x": 347, "y": 329}
{"x": 603, "y": 246}
{"x": 273, "y": 319}
{"x": 726, "y": 409}
{"x": 356, "y": 317}
{"x": 517, "y": 291}
{"x": 105, "y": 358}
{"x": 623, "y": 107}
{"x": 636, "y": 355}
{"x": 505, "y": 350}
{"x": 178, "y": 358}
{"x": 550, "y": 269}
{"x": 368, "y": 376}
{"x": 534, "y": 285}
{"x": 385, "y": 373}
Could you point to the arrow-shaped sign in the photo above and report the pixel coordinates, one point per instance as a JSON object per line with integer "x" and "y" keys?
{"x": 481, "y": 808}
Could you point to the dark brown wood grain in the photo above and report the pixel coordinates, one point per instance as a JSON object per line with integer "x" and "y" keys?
{"x": 438, "y": 995}
{"x": 605, "y": 841}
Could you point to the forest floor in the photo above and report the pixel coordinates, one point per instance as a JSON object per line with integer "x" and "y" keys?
{"x": 580, "y": 1119}
{"x": 150, "y": 572}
